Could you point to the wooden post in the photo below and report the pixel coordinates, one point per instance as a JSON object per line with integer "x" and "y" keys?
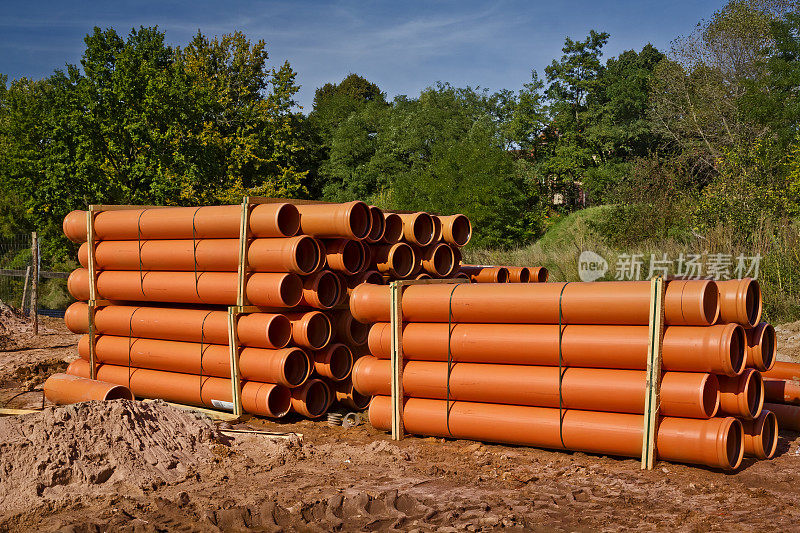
{"x": 35, "y": 283}
{"x": 25, "y": 288}
{"x": 652, "y": 399}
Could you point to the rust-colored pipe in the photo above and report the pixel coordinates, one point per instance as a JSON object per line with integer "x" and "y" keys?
{"x": 539, "y": 274}
{"x": 310, "y": 329}
{"x": 438, "y": 259}
{"x": 742, "y": 396}
{"x": 321, "y": 290}
{"x": 437, "y": 229}
{"x": 740, "y": 301}
{"x": 788, "y": 415}
{"x": 64, "y": 389}
{"x": 393, "y": 228}
{"x": 484, "y": 274}
{"x": 456, "y": 229}
{"x": 761, "y": 435}
{"x": 263, "y": 288}
{"x": 397, "y": 260}
{"x": 761, "y": 347}
{"x": 264, "y": 399}
{"x": 717, "y": 349}
{"x": 349, "y": 330}
{"x": 334, "y": 362}
{"x": 781, "y": 391}
{"x": 293, "y": 254}
{"x": 690, "y": 303}
{"x": 312, "y": 399}
{"x": 417, "y": 228}
{"x": 368, "y": 276}
{"x": 260, "y": 330}
{"x": 683, "y": 394}
{"x": 518, "y": 274}
{"x": 784, "y": 370}
{"x": 349, "y": 397}
{"x": 345, "y": 255}
{"x": 423, "y": 275}
{"x": 460, "y": 275}
{"x": 716, "y": 442}
{"x": 288, "y": 366}
{"x": 348, "y": 221}
{"x": 378, "y": 226}
{"x": 210, "y": 222}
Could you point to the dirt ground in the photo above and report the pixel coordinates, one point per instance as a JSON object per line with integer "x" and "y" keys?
{"x": 131, "y": 467}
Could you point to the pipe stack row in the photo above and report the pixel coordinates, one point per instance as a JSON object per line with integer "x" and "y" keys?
{"x": 170, "y": 274}
{"x": 507, "y": 352}
{"x": 782, "y": 393}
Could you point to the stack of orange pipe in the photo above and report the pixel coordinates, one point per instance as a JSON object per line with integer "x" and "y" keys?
{"x": 505, "y": 347}
{"x": 170, "y": 273}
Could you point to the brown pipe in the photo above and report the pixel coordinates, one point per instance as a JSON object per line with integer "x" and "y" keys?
{"x": 460, "y": 275}
{"x": 393, "y": 228}
{"x": 423, "y": 275}
{"x": 64, "y": 389}
{"x": 260, "y": 330}
{"x": 716, "y": 442}
{"x": 690, "y": 303}
{"x": 740, "y": 301}
{"x": 334, "y": 362}
{"x": 717, "y": 349}
{"x": 781, "y": 391}
{"x": 349, "y": 330}
{"x": 784, "y": 370}
{"x": 397, "y": 260}
{"x": 310, "y": 329}
{"x": 761, "y": 347}
{"x": 683, "y": 394}
{"x": 418, "y": 228}
{"x": 263, "y": 288}
{"x": 312, "y": 399}
{"x": 345, "y": 255}
{"x": 321, "y": 290}
{"x": 293, "y": 254}
{"x": 484, "y": 274}
{"x": 264, "y": 399}
{"x": 288, "y": 366}
{"x": 438, "y": 259}
{"x": 788, "y": 416}
{"x": 209, "y": 222}
{"x": 348, "y": 221}
{"x": 456, "y": 229}
{"x": 761, "y": 435}
{"x": 346, "y": 395}
{"x": 437, "y": 229}
{"x": 742, "y": 396}
{"x": 378, "y": 226}
{"x": 518, "y": 274}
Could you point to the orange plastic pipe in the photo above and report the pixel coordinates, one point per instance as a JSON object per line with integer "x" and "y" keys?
{"x": 345, "y": 255}
{"x": 484, "y": 274}
{"x": 781, "y": 391}
{"x": 740, "y": 301}
{"x": 742, "y": 396}
{"x": 518, "y": 274}
{"x": 460, "y": 274}
{"x": 260, "y": 330}
{"x": 312, "y": 399}
{"x": 292, "y": 254}
{"x": 377, "y": 226}
{"x": 210, "y": 222}
{"x": 438, "y": 259}
{"x": 437, "y": 229}
{"x": 368, "y": 276}
{"x": 334, "y": 362}
{"x": 288, "y": 366}
{"x": 761, "y": 347}
{"x": 683, "y": 394}
{"x": 417, "y": 228}
{"x": 397, "y": 260}
{"x": 716, "y": 349}
{"x": 264, "y": 399}
{"x": 349, "y": 330}
{"x": 346, "y": 395}
{"x": 64, "y": 389}
{"x": 788, "y": 415}
{"x": 783, "y": 370}
{"x": 761, "y": 435}
{"x": 393, "y": 228}
{"x": 321, "y": 290}
{"x": 423, "y": 275}
{"x": 716, "y": 442}
{"x": 539, "y": 274}
{"x": 348, "y": 221}
{"x": 456, "y": 229}
{"x": 690, "y": 303}
{"x": 310, "y": 329}
{"x": 263, "y": 288}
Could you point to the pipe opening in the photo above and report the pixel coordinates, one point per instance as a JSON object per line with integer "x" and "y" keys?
{"x": 422, "y": 228}
{"x": 316, "y": 397}
{"x": 710, "y": 303}
{"x": 327, "y": 289}
{"x": 541, "y": 274}
{"x": 296, "y": 368}
{"x": 279, "y": 331}
{"x": 437, "y": 228}
{"x": 360, "y": 220}
{"x": 710, "y": 395}
{"x": 768, "y": 346}
{"x": 359, "y": 332}
{"x": 401, "y": 260}
{"x": 502, "y": 275}
{"x": 318, "y": 331}
{"x": 378, "y": 224}
{"x": 307, "y": 255}
{"x": 393, "y": 228}
{"x": 291, "y": 290}
{"x": 278, "y": 400}
{"x": 361, "y": 401}
{"x": 443, "y": 260}
{"x": 374, "y": 278}
{"x": 769, "y": 434}
{"x": 461, "y": 230}
{"x": 737, "y": 344}
{"x": 423, "y": 275}
{"x": 118, "y": 393}
{"x": 734, "y": 449}
{"x": 754, "y": 392}
{"x": 353, "y": 256}
{"x": 341, "y": 362}
{"x": 288, "y": 220}
{"x": 753, "y": 302}
{"x": 462, "y": 275}
{"x": 525, "y": 275}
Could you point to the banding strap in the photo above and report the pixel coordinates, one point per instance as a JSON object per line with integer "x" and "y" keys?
{"x": 202, "y": 351}
{"x": 194, "y": 253}
{"x": 139, "y": 239}
{"x": 560, "y": 372}
{"x": 449, "y": 354}
{"x": 130, "y": 344}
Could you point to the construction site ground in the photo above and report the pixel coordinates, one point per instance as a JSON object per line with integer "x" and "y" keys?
{"x": 149, "y": 467}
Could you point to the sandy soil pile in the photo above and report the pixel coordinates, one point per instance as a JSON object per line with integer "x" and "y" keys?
{"x": 120, "y": 444}
{"x": 787, "y": 336}
{"x": 12, "y": 324}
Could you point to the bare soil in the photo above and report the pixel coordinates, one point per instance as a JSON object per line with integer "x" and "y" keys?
{"x": 124, "y": 466}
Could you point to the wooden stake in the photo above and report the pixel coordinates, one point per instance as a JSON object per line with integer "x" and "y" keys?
{"x": 35, "y": 283}
{"x": 652, "y": 399}
{"x": 25, "y": 288}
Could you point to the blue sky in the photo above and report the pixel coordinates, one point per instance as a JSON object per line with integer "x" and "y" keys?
{"x": 402, "y": 46}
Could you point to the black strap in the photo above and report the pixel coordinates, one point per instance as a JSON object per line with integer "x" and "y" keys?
{"x": 130, "y": 344}
{"x": 449, "y": 354}
{"x": 139, "y": 240}
{"x": 202, "y": 350}
{"x": 194, "y": 253}
{"x": 560, "y": 372}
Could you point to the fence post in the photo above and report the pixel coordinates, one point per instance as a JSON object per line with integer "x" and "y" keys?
{"x": 25, "y": 289}
{"x": 35, "y": 283}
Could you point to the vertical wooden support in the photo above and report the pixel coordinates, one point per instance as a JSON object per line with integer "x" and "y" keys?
{"x": 396, "y": 351}
{"x": 35, "y": 282}
{"x": 25, "y": 288}
{"x": 244, "y": 242}
{"x": 233, "y": 344}
{"x": 652, "y": 399}
{"x": 92, "y": 267}
{"x": 235, "y": 311}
